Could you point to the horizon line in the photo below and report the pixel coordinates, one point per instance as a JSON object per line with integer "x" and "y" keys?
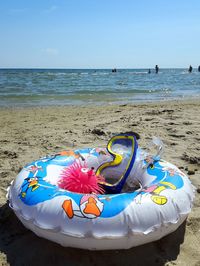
{"x": 110, "y": 68}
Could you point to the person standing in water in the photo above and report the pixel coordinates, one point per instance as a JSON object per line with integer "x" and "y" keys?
{"x": 157, "y": 69}
{"x": 190, "y": 69}
{"x": 199, "y": 69}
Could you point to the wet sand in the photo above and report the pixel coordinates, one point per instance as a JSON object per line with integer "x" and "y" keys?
{"x": 29, "y": 133}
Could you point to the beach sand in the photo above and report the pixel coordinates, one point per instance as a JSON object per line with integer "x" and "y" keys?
{"x": 29, "y": 133}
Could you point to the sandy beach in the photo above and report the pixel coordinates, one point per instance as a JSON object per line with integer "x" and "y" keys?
{"x": 30, "y": 133}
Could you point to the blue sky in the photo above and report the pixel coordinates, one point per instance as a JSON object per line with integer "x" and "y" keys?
{"x": 99, "y": 33}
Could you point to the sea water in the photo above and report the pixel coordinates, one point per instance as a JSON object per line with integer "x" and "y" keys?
{"x": 43, "y": 87}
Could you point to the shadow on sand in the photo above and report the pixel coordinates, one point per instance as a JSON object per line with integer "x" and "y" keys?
{"x": 22, "y": 247}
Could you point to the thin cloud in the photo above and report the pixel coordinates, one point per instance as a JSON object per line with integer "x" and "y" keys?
{"x": 51, "y": 9}
{"x": 51, "y": 51}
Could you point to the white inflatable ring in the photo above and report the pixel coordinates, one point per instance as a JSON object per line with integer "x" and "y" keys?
{"x": 110, "y": 221}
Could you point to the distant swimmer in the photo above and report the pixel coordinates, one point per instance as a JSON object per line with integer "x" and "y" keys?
{"x": 149, "y": 72}
{"x": 114, "y": 70}
{"x": 198, "y": 68}
{"x": 157, "y": 69}
{"x": 190, "y": 69}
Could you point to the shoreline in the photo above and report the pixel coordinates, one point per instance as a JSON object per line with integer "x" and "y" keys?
{"x": 185, "y": 100}
{"x": 28, "y": 133}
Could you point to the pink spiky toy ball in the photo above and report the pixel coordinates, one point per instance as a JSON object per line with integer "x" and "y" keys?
{"x": 80, "y": 179}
